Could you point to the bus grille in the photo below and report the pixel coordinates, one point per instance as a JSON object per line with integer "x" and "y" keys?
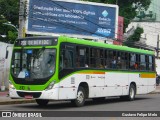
{"x": 34, "y": 94}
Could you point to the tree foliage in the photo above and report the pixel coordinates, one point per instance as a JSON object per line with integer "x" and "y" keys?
{"x": 8, "y": 13}
{"x": 9, "y": 9}
{"x": 134, "y": 38}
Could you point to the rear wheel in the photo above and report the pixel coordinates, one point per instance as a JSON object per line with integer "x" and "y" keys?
{"x": 41, "y": 102}
{"x": 132, "y": 92}
{"x": 131, "y": 95}
{"x": 80, "y": 99}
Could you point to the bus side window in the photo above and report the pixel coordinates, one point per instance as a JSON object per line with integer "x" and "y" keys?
{"x": 82, "y": 58}
{"x": 142, "y": 62}
{"x": 99, "y": 58}
{"x": 67, "y": 59}
{"x": 132, "y": 60}
{"x": 151, "y": 63}
{"x": 114, "y": 60}
{"x": 119, "y": 60}
{"x": 92, "y": 57}
{"x": 123, "y": 61}
{"x": 109, "y": 59}
{"x": 126, "y": 60}
{"x": 77, "y": 58}
{"x": 106, "y": 59}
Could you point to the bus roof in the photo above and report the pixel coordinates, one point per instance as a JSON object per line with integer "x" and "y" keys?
{"x": 92, "y": 43}
{"x": 103, "y": 45}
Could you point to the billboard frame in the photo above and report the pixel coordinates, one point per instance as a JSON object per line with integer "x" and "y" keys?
{"x": 75, "y": 35}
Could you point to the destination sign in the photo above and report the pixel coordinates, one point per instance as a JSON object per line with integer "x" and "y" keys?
{"x": 36, "y": 42}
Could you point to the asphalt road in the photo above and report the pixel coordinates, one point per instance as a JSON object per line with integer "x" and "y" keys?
{"x": 150, "y": 102}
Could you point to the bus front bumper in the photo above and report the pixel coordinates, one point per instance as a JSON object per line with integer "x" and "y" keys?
{"x": 45, "y": 94}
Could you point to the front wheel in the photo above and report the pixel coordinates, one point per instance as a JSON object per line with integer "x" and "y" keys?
{"x": 41, "y": 102}
{"x": 80, "y": 99}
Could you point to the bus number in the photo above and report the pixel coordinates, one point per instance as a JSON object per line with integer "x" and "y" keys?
{"x": 22, "y": 88}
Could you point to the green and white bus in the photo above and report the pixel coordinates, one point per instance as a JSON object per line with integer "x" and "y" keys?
{"x": 65, "y": 68}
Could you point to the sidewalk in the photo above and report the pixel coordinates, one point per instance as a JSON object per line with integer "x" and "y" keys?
{"x": 5, "y": 99}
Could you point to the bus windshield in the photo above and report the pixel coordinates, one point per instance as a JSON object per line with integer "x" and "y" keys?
{"x": 33, "y": 63}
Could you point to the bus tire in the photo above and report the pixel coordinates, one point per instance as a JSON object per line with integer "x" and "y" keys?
{"x": 41, "y": 102}
{"x": 80, "y": 99}
{"x": 132, "y": 93}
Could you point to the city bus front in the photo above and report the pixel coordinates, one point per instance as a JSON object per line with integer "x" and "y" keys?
{"x": 33, "y": 71}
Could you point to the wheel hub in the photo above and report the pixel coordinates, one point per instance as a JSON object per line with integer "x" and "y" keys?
{"x": 132, "y": 93}
{"x": 80, "y": 97}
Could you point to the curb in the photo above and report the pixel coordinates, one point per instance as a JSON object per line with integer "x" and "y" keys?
{"x": 22, "y": 101}
{"x": 155, "y": 92}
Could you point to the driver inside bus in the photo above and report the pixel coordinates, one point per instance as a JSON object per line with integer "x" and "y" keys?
{"x": 22, "y": 73}
{"x": 51, "y": 63}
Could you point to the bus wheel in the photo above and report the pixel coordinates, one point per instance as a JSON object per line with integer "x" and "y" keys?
{"x": 132, "y": 92}
{"x": 41, "y": 102}
{"x": 80, "y": 100}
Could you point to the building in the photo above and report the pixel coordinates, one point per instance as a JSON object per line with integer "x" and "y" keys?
{"x": 150, "y": 22}
{"x": 5, "y": 63}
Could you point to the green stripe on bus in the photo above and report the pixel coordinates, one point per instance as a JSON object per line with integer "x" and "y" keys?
{"x": 98, "y": 44}
{"x": 113, "y": 71}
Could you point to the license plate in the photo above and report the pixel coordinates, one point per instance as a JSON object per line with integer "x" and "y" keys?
{"x": 28, "y": 97}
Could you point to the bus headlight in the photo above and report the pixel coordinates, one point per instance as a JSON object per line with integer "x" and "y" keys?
{"x": 50, "y": 86}
{"x": 11, "y": 86}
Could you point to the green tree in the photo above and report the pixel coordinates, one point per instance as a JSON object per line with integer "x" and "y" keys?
{"x": 134, "y": 38}
{"x": 8, "y": 13}
{"x": 9, "y": 9}
{"x": 2, "y": 29}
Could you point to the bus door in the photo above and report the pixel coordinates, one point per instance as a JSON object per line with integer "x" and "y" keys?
{"x": 66, "y": 68}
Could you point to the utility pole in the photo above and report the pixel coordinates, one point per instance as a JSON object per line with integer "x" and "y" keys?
{"x": 116, "y": 2}
{"x": 22, "y": 18}
{"x": 157, "y": 46}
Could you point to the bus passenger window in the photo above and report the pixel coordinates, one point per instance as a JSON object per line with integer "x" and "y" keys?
{"x": 114, "y": 62}
{"x": 151, "y": 63}
{"x": 110, "y": 58}
{"x": 142, "y": 62}
{"x": 67, "y": 59}
{"x": 132, "y": 61}
{"x": 97, "y": 56}
{"x": 119, "y": 63}
{"x": 82, "y": 58}
{"x": 135, "y": 65}
{"x": 92, "y": 57}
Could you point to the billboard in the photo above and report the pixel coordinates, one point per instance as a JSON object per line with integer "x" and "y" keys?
{"x": 79, "y": 19}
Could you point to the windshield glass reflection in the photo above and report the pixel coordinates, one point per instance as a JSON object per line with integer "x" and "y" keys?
{"x": 33, "y": 63}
